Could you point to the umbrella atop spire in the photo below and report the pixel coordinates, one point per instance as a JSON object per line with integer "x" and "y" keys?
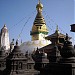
{"x": 39, "y": 6}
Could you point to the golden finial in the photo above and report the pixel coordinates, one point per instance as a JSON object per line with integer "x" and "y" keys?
{"x": 57, "y": 28}
{"x": 39, "y": 6}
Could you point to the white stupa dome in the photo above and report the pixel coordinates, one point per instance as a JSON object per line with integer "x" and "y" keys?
{"x": 32, "y": 45}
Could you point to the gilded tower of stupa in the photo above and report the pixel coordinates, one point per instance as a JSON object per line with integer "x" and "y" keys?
{"x": 39, "y": 29}
{"x": 39, "y": 32}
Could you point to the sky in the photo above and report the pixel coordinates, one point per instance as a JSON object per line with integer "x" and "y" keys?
{"x": 19, "y": 15}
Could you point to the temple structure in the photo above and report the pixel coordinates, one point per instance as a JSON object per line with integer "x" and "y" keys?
{"x": 4, "y": 39}
{"x": 43, "y": 55}
{"x": 17, "y": 63}
{"x": 39, "y": 32}
{"x": 57, "y": 38}
{"x": 61, "y": 61}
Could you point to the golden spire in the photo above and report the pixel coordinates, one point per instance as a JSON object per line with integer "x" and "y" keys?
{"x": 39, "y": 25}
{"x": 39, "y": 6}
{"x": 57, "y": 30}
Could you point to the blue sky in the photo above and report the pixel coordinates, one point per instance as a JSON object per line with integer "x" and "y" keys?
{"x": 20, "y": 14}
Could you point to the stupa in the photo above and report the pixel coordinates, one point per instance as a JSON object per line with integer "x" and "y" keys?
{"x": 4, "y": 39}
{"x": 38, "y": 33}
